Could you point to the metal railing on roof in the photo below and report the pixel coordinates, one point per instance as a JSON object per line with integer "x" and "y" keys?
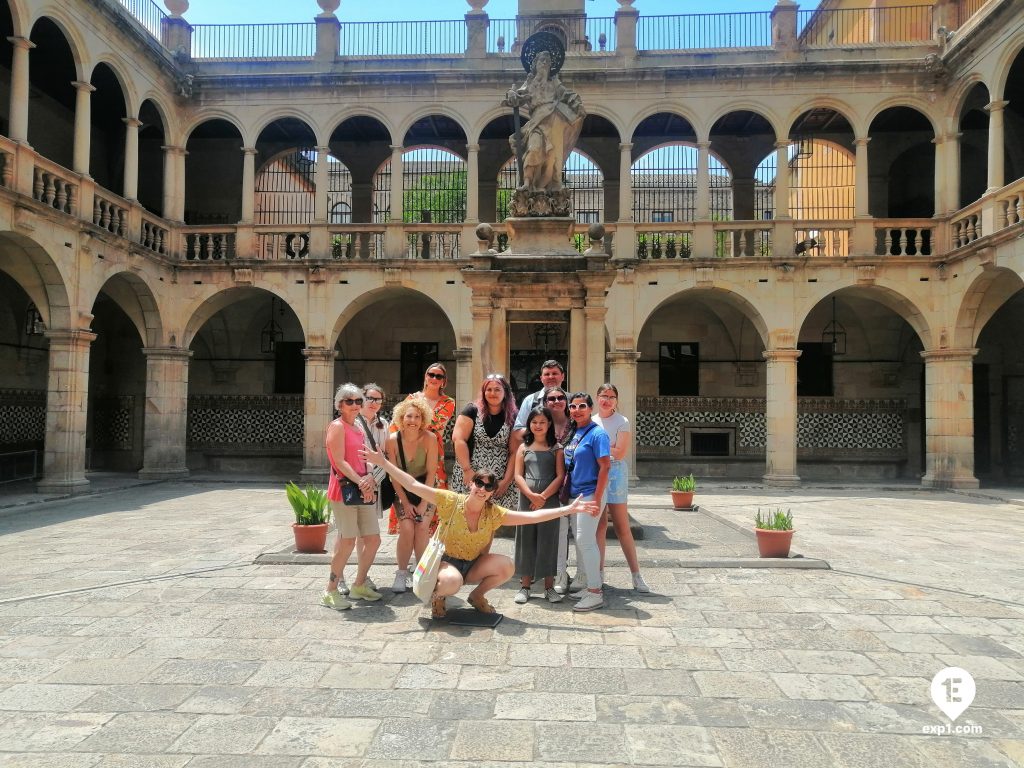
{"x": 148, "y": 14}
{"x": 403, "y": 38}
{"x": 253, "y": 41}
{"x": 704, "y": 30}
{"x": 841, "y": 27}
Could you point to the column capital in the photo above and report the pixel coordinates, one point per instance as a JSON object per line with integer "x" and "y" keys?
{"x": 861, "y": 141}
{"x": 250, "y": 151}
{"x": 705, "y": 145}
{"x": 472, "y": 148}
{"x": 81, "y": 85}
{"x": 463, "y": 354}
{"x": 783, "y": 143}
{"x": 172, "y": 149}
{"x": 21, "y": 42}
{"x": 781, "y": 355}
{"x": 592, "y": 312}
{"x": 132, "y": 122}
{"x": 167, "y": 353}
{"x": 626, "y": 147}
{"x": 996, "y": 106}
{"x": 71, "y": 337}
{"x": 322, "y": 151}
{"x": 320, "y": 354}
{"x": 622, "y": 357}
{"x": 948, "y": 355}
{"x": 397, "y": 148}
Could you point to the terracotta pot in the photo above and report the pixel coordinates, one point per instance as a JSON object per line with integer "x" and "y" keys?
{"x": 773, "y": 543}
{"x": 682, "y": 499}
{"x": 310, "y": 538}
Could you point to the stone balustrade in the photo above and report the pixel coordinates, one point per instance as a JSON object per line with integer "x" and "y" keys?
{"x": 110, "y": 213}
{"x": 154, "y": 236}
{"x": 966, "y": 225}
{"x": 899, "y": 237}
{"x": 53, "y": 186}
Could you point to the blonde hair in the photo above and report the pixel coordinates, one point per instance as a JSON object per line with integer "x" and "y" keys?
{"x": 420, "y": 404}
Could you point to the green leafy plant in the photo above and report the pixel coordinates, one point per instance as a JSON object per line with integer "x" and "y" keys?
{"x": 774, "y": 520}
{"x": 684, "y": 483}
{"x": 310, "y": 505}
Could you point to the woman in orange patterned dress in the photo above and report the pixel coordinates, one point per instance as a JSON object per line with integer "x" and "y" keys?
{"x": 443, "y": 408}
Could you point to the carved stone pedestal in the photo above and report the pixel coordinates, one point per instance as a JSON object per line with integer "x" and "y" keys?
{"x": 540, "y": 237}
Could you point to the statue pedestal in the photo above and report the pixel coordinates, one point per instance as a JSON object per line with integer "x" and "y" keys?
{"x": 540, "y": 236}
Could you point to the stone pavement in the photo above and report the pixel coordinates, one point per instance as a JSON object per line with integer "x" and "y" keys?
{"x": 136, "y": 630}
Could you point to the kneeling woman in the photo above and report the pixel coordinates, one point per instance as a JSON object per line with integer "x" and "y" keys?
{"x": 469, "y": 522}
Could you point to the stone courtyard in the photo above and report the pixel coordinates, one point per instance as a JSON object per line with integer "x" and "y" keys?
{"x": 137, "y": 630}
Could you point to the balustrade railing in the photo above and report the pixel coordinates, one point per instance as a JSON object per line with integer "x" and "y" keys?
{"x": 821, "y": 238}
{"x": 742, "y": 239}
{"x": 402, "y": 38}
{"x": 355, "y": 241}
{"x": 661, "y": 242}
{"x": 1010, "y": 205}
{"x": 256, "y": 41}
{"x": 704, "y": 30}
{"x": 841, "y": 27}
{"x": 904, "y": 238}
{"x": 279, "y": 246}
{"x": 208, "y": 243}
{"x": 154, "y": 236}
{"x": 110, "y": 213}
{"x": 432, "y": 241}
{"x": 8, "y": 150}
{"x": 147, "y": 13}
{"x": 52, "y": 186}
{"x": 965, "y": 226}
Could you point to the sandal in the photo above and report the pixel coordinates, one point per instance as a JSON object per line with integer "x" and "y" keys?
{"x": 438, "y": 609}
{"x": 481, "y": 604}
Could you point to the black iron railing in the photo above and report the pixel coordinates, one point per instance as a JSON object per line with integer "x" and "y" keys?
{"x": 706, "y": 30}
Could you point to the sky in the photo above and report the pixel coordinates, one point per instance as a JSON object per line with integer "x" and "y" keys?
{"x": 271, "y": 11}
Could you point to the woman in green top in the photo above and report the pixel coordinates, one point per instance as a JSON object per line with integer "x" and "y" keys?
{"x": 471, "y": 521}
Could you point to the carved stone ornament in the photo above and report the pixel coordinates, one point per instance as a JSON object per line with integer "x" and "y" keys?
{"x": 477, "y": 6}
{"x": 540, "y": 203}
{"x": 328, "y": 6}
{"x": 176, "y": 7}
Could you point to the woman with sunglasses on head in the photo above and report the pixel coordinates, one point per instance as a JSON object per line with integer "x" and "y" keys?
{"x": 443, "y": 408}
{"x": 539, "y": 474}
{"x": 483, "y": 439}
{"x": 617, "y": 427}
{"x": 587, "y": 462}
{"x": 414, "y": 449}
{"x": 556, "y": 400}
{"x": 470, "y": 521}
{"x": 345, "y": 440}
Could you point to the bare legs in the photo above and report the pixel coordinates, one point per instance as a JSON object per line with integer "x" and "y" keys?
{"x": 412, "y": 537}
{"x": 342, "y": 552}
{"x": 488, "y": 572}
{"x": 619, "y": 514}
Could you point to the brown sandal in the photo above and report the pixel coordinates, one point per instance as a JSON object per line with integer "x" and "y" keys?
{"x": 438, "y": 609}
{"x": 481, "y": 604}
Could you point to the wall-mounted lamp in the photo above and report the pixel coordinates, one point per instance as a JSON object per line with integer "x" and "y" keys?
{"x": 272, "y": 333}
{"x": 34, "y": 325}
{"x": 834, "y": 334}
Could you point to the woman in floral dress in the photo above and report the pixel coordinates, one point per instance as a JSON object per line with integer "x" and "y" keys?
{"x": 482, "y": 437}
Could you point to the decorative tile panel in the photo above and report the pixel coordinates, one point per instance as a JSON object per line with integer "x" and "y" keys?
{"x": 250, "y": 420}
{"x": 113, "y": 423}
{"x": 22, "y": 416}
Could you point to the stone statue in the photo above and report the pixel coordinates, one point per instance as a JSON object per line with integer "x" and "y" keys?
{"x": 545, "y": 141}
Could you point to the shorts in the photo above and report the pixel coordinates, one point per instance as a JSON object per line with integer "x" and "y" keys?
{"x": 355, "y": 520}
{"x": 618, "y": 484}
{"x": 462, "y": 566}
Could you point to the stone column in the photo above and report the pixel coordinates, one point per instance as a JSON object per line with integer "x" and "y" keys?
{"x": 625, "y": 182}
{"x": 168, "y": 181}
{"x": 952, "y": 190}
{"x": 464, "y": 379}
{"x": 782, "y": 178}
{"x": 131, "y": 157}
{"x": 164, "y": 441}
{"x": 941, "y": 172}
{"x": 394, "y": 245}
{"x": 83, "y": 126}
{"x": 67, "y": 399}
{"x": 949, "y": 418}
{"x": 498, "y": 362}
{"x": 861, "y": 195}
{"x": 473, "y": 184}
{"x": 577, "y": 346}
{"x": 318, "y": 409}
{"x": 995, "y": 144}
{"x": 594, "y": 371}
{"x": 174, "y": 182}
{"x": 248, "y": 185}
{"x": 322, "y": 183}
{"x": 626, "y": 18}
{"x": 622, "y": 373}
{"x": 780, "y": 418}
{"x": 703, "y": 181}
{"x": 19, "y": 88}
{"x": 480, "y": 363}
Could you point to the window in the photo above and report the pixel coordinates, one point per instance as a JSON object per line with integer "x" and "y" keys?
{"x": 678, "y": 368}
{"x": 661, "y": 217}
{"x": 289, "y": 368}
{"x": 587, "y": 217}
{"x": 416, "y": 356}
{"x": 814, "y": 370}
{"x": 341, "y": 213}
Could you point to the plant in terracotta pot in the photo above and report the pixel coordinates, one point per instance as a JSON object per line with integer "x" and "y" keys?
{"x": 312, "y": 515}
{"x": 774, "y": 532}
{"x": 683, "y": 487}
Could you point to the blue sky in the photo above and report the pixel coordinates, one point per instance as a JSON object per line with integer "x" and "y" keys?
{"x": 270, "y": 11}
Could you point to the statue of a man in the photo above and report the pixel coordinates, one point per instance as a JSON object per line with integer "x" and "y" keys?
{"x": 556, "y": 115}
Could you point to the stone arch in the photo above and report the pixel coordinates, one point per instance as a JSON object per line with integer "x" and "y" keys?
{"x": 735, "y": 107}
{"x": 903, "y": 101}
{"x": 109, "y": 108}
{"x": 152, "y": 138}
{"x": 362, "y": 111}
{"x": 841, "y": 108}
{"x": 210, "y": 115}
{"x": 284, "y": 114}
{"x": 117, "y": 67}
{"x": 32, "y": 267}
{"x": 214, "y": 150}
{"x": 56, "y": 16}
{"x": 678, "y": 111}
{"x": 725, "y": 294}
{"x": 902, "y": 157}
{"x": 368, "y": 298}
{"x": 51, "y": 116}
{"x": 136, "y": 298}
{"x": 19, "y": 17}
{"x": 201, "y": 312}
{"x": 891, "y": 298}
{"x": 986, "y": 294}
{"x": 430, "y": 111}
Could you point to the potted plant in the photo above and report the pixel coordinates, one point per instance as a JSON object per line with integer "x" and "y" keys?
{"x": 774, "y": 532}
{"x": 683, "y": 487}
{"x": 312, "y": 514}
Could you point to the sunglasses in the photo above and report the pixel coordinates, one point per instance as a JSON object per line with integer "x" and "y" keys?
{"x": 353, "y": 401}
{"x": 486, "y": 485}
{"x": 578, "y": 406}
{"x": 374, "y": 399}
{"x": 432, "y": 375}
{"x": 556, "y": 399}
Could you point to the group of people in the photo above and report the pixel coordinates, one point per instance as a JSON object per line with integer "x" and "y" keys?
{"x": 553, "y": 463}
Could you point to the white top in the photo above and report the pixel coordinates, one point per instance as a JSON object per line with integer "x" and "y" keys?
{"x": 527, "y": 406}
{"x": 613, "y": 425}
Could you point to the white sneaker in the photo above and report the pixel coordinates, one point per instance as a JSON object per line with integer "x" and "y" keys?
{"x": 579, "y": 581}
{"x": 399, "y": 586}
{"x": 522, "y": 596}
{"x": 369, "y": 582}
{"x": 342, "y": 586}
{"x": 590, "y": 601}
{"x": 639, "y": 584}
{"x": 552, "y": 596}
{"x": 562, "y": 583}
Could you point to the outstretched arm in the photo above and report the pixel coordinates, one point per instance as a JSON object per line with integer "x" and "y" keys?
{"x": 540, "y": 515}
{"x": 403, "y": 478}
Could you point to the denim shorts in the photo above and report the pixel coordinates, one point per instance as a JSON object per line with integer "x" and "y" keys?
{"x": 618, "y": 484}
{"x": 462, "y": 566}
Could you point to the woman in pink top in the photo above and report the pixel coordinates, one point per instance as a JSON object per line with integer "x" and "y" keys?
{"x": 344, "y": 442}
